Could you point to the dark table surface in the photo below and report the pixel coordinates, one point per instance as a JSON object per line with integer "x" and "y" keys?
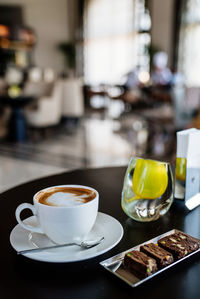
{"x": 25, "y": 278}
{"x": 17, "y": 102}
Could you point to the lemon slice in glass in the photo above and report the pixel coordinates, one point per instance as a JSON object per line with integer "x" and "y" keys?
{"x": 150, "y": 179}
{"x": 181, "y": 168}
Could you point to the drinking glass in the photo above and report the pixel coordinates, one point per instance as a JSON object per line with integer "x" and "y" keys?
{"x": 148, "y": 189}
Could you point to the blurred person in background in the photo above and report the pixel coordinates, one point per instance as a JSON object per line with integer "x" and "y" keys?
{"x": 161, "y": 75}
{"x": 161, "y": 79}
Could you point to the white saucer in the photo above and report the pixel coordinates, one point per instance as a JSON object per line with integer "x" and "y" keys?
{"x": 105, "y": 226}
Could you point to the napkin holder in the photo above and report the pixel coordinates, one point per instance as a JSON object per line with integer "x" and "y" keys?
{"x": 187, "y": 185}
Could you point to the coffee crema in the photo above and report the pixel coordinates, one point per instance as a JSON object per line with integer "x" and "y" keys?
{"x": 65, "y": 196}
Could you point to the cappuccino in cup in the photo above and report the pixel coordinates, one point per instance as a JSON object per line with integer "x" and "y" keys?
{"x": 64, "y": 213}
{"x": 65, "y": 196}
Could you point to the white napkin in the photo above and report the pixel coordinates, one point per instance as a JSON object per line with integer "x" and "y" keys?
{"x": 188, "y": 146}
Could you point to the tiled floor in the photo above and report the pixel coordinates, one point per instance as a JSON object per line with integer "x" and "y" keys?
{"x": 96, "y": 142}
{"x": 16, "y": 171}
{"x": 99, "y": 140}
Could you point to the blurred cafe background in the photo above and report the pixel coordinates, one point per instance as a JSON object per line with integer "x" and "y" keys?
{"x": 92, "y": 83}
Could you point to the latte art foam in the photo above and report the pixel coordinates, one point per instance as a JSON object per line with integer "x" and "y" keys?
{"x": 65, "y": 196}
{"x": 64, "y": 199}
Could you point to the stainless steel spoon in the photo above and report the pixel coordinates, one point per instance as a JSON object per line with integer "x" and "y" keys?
{"x": 84, "y": 245}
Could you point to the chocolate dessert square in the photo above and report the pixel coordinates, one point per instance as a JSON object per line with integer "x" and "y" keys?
{"x": 140, "y": 264}
{"x": 162, "y": 257}
{"x": 190, "y": 241}
{"x": 179, "y": 244}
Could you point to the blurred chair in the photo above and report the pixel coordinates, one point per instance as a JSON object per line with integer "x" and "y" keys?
{"x": 186, "y": 102}
{"x": 46, "y": 111}
{"x": 38, "y": 89}
{"x": 35, "y": 74}
{"x": 49, "y": 75}
{"x": 192, "y": 98}
{"x": 13, "y": 76}
{"x": 73, "y": 101}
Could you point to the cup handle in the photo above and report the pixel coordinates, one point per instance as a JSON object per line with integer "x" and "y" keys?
{"x": 18, "y": 211}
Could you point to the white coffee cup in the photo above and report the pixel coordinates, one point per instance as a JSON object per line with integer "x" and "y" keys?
{"x": 64, "y": 217}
